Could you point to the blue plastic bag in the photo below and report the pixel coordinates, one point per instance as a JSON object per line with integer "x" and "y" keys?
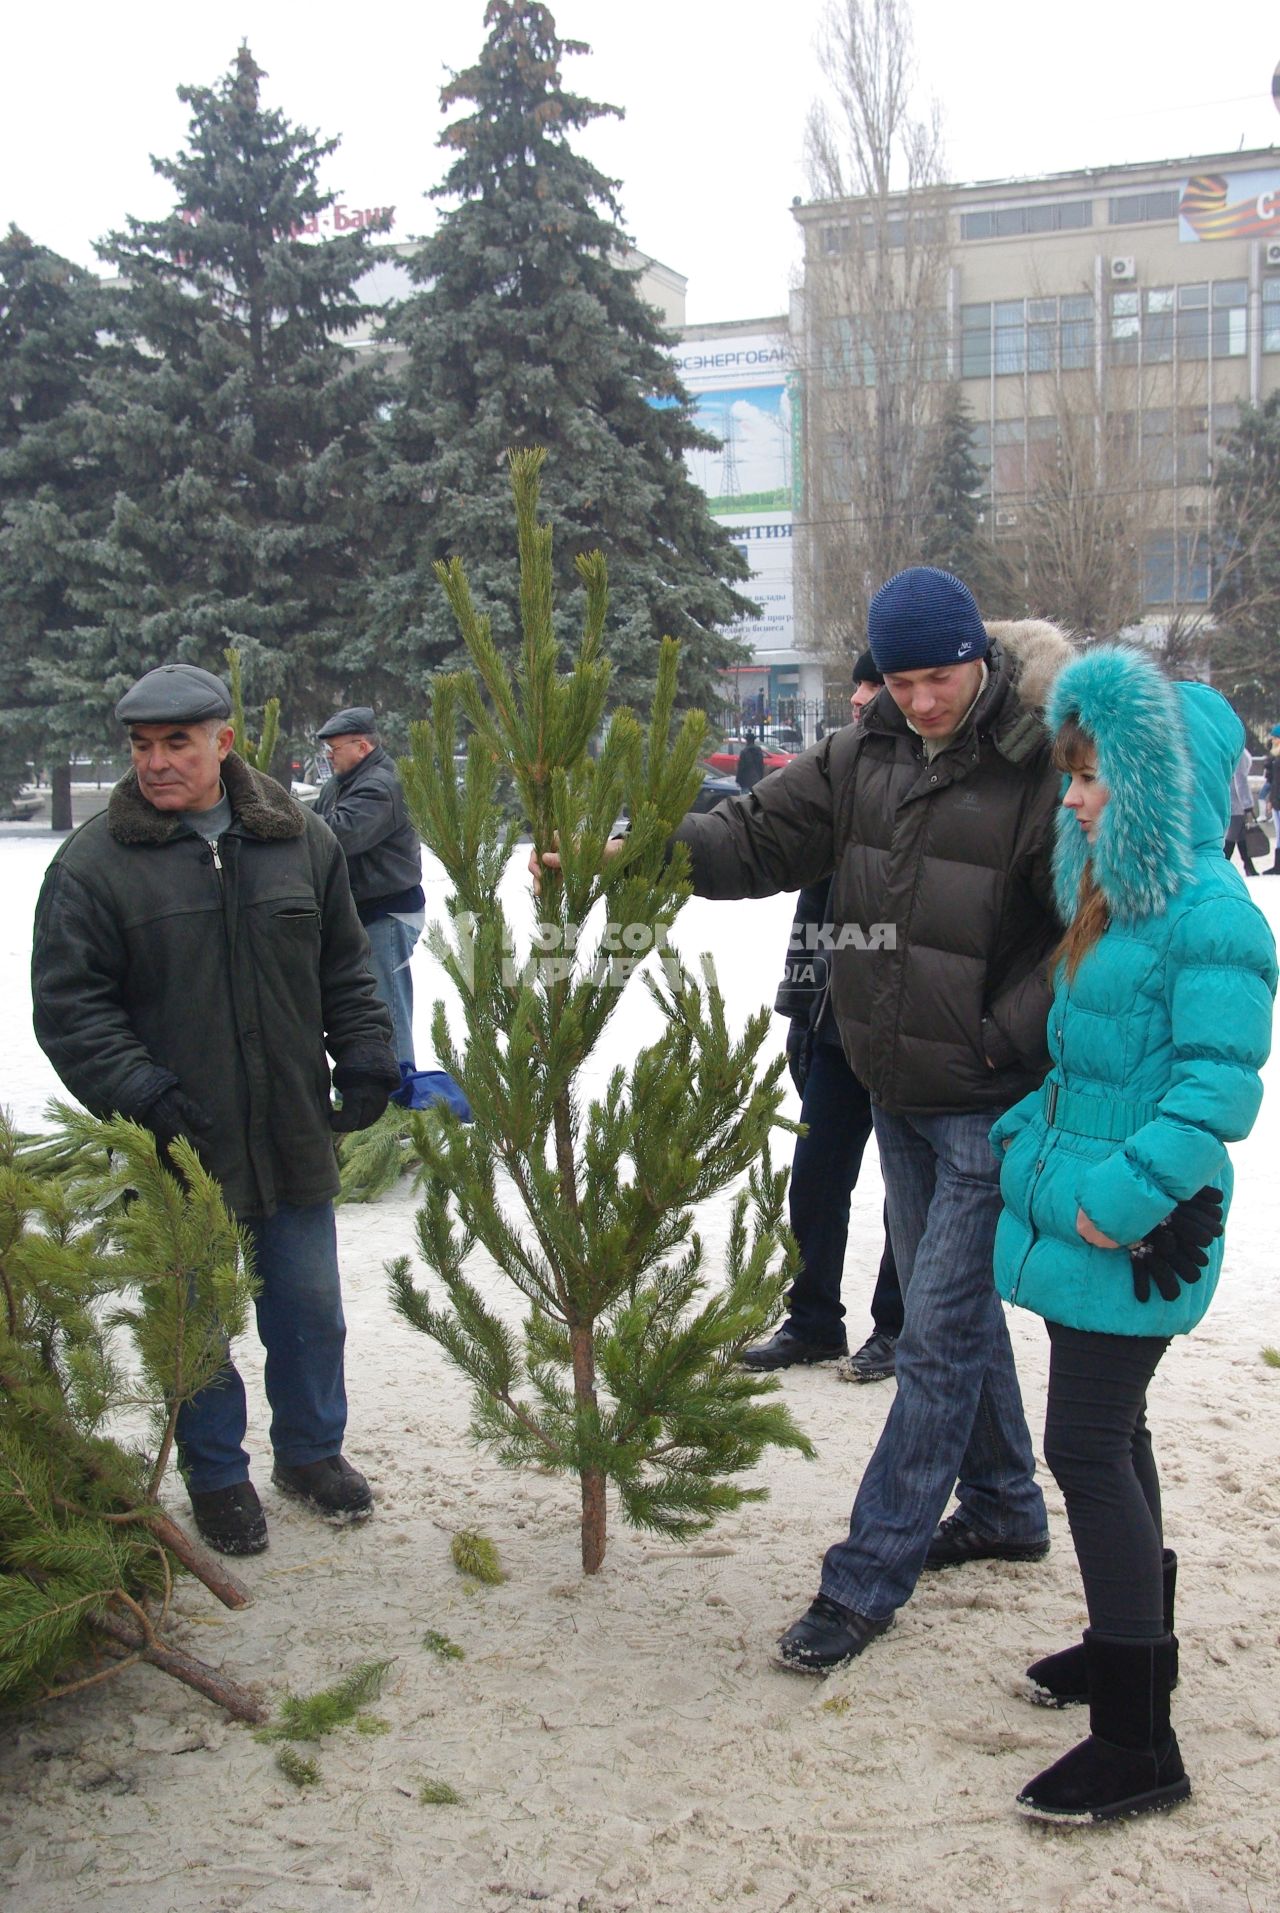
{"x": 422, "y": 1088}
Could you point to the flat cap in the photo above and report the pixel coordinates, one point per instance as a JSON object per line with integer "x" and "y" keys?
{"x": 175, "y": 694}
{"x": 358, "y": 721}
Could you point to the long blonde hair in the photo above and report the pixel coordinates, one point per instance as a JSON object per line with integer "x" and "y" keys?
{"x": 1075, "y": 750}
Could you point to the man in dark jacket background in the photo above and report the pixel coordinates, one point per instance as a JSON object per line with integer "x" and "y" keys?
{"x": 196, "y": 953}
{"x": 836, "y": 1111}
{"x": 363, "y": 805}
{"x": 750, "y": 766}
{"x": 934, "y": 818}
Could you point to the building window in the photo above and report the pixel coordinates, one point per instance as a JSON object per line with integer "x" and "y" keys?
{"x": 1031, "y": 335}
{"x": 1126, "y": 328}
{"x": 1008, "y": 471}
{"x": 1159, "y": 455}
{"x": 1011, "y": 222}
{"x": 975, "y": 341}
{"x": 1130, "y": 208}
{"x": 1229, "y": 318}
{"x": 1271, "y": 315}
{"x": 1076, "y": 315}
{"x": 1157, "y": 325}
{"x": 1010, "y": 335}
{"x": 1193, "y": 322}
{"x": 1176, "y": 568}
{"x": 982, "y": 453}
{"x": 1042, "y": 451}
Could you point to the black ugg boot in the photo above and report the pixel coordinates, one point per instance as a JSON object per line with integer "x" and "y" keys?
{"x": 1130, "y": 1763}
{"x": 1062, "y": 1680}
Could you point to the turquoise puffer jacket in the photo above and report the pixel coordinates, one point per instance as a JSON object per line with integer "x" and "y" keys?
{"x": 1157, "y": 1043}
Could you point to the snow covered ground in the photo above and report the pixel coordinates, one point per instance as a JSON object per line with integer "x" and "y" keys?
{"x": 625, "y": 1742}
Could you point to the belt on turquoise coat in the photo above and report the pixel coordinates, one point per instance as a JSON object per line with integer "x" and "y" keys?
{"x": 1093, "y": 1115}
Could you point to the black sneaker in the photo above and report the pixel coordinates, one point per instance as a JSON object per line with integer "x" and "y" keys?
{"x": 332, "y": 1485}
{"x": 873, "y": 1362}
{"x": 827, "y": 1636}
{"x": 786, "y": 1349}
{"x": 956, "y": 1541}
{"x": 231, "y": 1519}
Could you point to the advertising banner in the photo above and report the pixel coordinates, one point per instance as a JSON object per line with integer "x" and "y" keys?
{"x": 740, "y": 390}
{"x": 1230, "y": 206}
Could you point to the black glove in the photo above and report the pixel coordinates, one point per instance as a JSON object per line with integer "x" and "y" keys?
{"x": 364, "y": 1097}
{"x": 1176, "y": 1250}
{"x": 799, "y": 1051}
{"x": 172, "y": 1115}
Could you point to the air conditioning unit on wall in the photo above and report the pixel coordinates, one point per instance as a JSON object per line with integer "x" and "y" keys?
{"x": 1272, "y": 252}
{"x": 1123, "y": 268}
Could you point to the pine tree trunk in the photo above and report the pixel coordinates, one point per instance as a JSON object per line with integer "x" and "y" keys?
{"x": 199, "y": 1561}
{"x": 593, "y": 1487}
{"x": 228, "y": 1694}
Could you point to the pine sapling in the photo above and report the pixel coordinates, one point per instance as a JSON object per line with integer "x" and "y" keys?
{"x": 626, "y": 1371}
{"x": 99, "y": 1237}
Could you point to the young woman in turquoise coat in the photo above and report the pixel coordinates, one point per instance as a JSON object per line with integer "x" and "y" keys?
{"x": 1116, "y": 1177}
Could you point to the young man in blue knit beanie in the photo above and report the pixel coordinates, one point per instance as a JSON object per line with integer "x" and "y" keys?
{"x": 930, "y": 645}
{"x": 934, "y": 819}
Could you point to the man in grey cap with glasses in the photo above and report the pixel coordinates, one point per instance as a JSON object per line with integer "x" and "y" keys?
{"x": 197, "y": 952}
{"x": 363, "y": 805}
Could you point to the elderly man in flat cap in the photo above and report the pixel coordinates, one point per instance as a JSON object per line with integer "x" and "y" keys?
{"x": 363, "y": 805}
{"x": 197, "y": 952}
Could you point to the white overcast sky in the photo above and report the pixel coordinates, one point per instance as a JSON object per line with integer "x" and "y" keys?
{"x": 709, "y": 155}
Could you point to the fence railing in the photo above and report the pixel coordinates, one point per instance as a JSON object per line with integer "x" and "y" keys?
{"x": 810, "y": 718}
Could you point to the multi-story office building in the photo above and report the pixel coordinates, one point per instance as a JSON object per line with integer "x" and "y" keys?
{"x": 1141, "y": 300}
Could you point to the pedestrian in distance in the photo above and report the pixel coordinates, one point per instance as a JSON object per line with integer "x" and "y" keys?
{"x": 1116, "y": 1178}
{"x": 750, "y": 767}
{"x": 836, "y": 1111}
{"x": 197, "y": 952}
{"x": 363, "y": 805}
{"x": 1271, "y": 792}
{"x": 1242, "y": 814}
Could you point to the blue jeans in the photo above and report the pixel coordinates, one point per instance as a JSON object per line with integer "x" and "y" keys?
{"x": 392, "y": 941}
{"x": 824, "y": 1172}
{"x": 957, "y": 1411}
{"x": 301, "y": 1326}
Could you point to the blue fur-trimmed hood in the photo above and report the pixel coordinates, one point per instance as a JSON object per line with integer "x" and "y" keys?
{"x": 1166, "y": 752}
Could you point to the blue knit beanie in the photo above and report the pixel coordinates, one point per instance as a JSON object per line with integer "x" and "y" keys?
{"x": 922, "y": 619}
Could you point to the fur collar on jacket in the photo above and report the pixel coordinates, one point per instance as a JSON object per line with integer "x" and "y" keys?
{"x": 260, "y": 806}
{"x": 1142, "y": 856}
{"x": 1026, "y": 656}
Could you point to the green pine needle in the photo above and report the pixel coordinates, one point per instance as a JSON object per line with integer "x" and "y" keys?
{"x": 309, "y": 1717}
{"x": 1271, "y": 1356}
{"x": 372, "y": 1724}
{"x": 475, "y": 1554}
{"x": 441, "y": 1645}
{"x": 297, "y": 1768}
{"x": 438, "y": 1793}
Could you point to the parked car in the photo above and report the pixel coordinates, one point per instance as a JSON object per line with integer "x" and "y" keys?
{"x": 726, "y": 758}
{"x": 716, "y": 788}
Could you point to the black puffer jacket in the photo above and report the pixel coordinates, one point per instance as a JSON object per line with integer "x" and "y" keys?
{"x": 152, "y": 967}
{"x": 942, "y": 897}
{"x": 365, "y": 810}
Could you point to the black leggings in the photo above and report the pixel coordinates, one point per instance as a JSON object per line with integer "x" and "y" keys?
{"x": 1097, "y": 1443}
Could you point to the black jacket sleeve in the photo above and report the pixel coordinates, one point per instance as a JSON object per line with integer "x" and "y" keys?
{"x": 77, "y": 992}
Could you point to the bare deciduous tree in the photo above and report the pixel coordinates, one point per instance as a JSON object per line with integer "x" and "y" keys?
{"x": 873, "y": 341}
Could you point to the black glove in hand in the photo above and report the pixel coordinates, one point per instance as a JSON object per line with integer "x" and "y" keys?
{"x": 1176, "y": 1250}
{"x": 364, "y": 1097}
{"x": 172, "y": 1115}
{"x": 799, "y": 1051}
